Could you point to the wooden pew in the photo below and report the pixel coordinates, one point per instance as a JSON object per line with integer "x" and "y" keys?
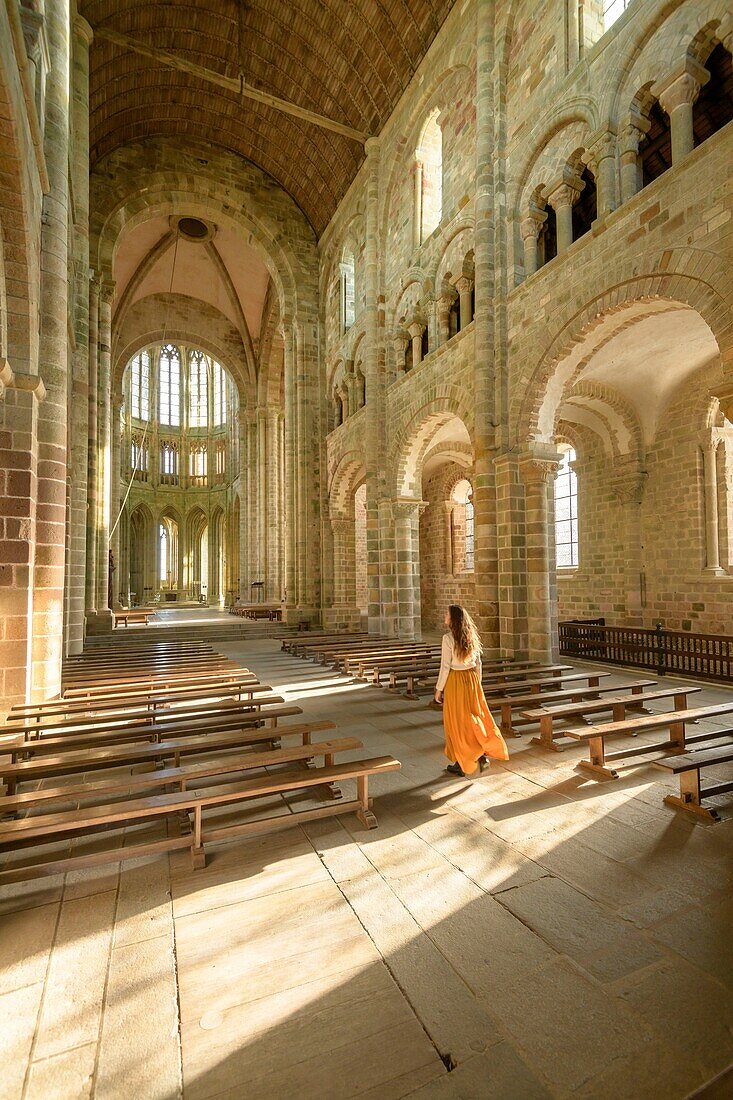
{"x": 399, "y": 670}
{"x": 180, "y": 681}
{"x": 287, "y": 644}
{"x": 189, "y": 743}
{"x": 507, "y": 705}
{"x": 300, "y": 647}
{"x": 113, "y": 786}
{"x": 675, "y": 721}
{"x": 536, "y": 676}
{"x": 148, "y": 647}
{"x": 548, "y": 736}
{"x": 347, "y": 662}
{"x": 132, "y": 615}
{"x": 688, "y": 768}
{"x": 47, "y": 828}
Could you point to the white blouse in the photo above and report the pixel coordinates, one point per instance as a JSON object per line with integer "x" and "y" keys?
{"x": 449, "y": 660}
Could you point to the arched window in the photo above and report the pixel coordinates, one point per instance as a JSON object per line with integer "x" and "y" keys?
{"x": 197, "y": 465}
{"x": 714, "y": 105}
{"x": 429, "y": 178}
{"x": 655, "y": 148}
{"x": 140, "y": 386}
{"x": 613, "y": 10}
{"x": 220, "y": 459}
{"x": 566, "y": 512}
{"x": 585, "y": 210}
{"x": 220, "y": 395}
{"x": 547, "y": 238}
{"x": 348, "y": 291}
{"x": 169, "y": 385}
{"x": 198, "y": 390}
{"x": 462, "y": 527}
{"x": 168, "y": 464}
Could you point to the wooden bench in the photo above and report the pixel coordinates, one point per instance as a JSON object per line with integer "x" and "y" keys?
{"x": 112, "y": 671}
{"x": 538, "y": 677}
{"x": 47, "y": 828}
{"x": 507, "y": 705}
{"x": 688, "y": 768}
{"x": 300, "y": 647}
{"x": 142, "y": 718}
{"x": 187, "y": 681}
{"x": 399, "y": 671}
{"x": 133, "y": 615}
{"x": 675, "y": 721}
{"x": 549, "y": 738}
{"x": 180, "y": 778}
{"x": 190, "y": 743}
{"x": 339, "y": 657}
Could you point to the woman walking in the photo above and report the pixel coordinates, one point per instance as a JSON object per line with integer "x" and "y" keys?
{"x": 471, "y": 734}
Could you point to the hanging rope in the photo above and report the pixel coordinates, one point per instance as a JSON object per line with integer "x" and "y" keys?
{"x": 153, "y": 394}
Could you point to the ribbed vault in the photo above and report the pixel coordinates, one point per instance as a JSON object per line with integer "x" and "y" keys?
{"x": 350, "y": 61}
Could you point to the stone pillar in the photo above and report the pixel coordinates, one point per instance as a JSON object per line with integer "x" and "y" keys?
{"x": 115, "y": 494}
{"x": 291, "y": 518}
{"x": 712, "y": 531}
{"x": 629, "y": 140}
{"x": 375, "y": 427}
{"x": 417, "y": 511}
{"x": 273, "y": 505}
{"x": 79, "y": 427}
{"x": 562, "y": 199}
{"x": 627, "y": 480}
{"x": 245, "y": 511}
{"x": 538, "y": 472}
{"x": 677, "y": 93}
{"x": 601, "y": 160}
{"x": 262, "y": 528}
{"x": 50, "y": 543}
{"x": 352, "y": 404}
{"x": 464, "y": 286}
{"x": 443, "y": 305}
{"x": 400, "y": 341}
{"x": 511, "y": 542}
{"x": 90, "y": 593}
{"x": 415, "y": 330}
{"x": 405, "y": 513}
{"x": 484, "y": 377}
{"x": 529, "y": 228}
{"x": 103, "y": 620}
{"x": 253, "y": 487}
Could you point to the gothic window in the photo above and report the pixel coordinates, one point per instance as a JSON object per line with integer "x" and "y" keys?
{"x": 168, "y": 464}
{"x": 429, "y": 191}
{"x": 462, "y": 527}
{"x": 220, "y": 461}
{"x": 198, "y": 390}
{"x": 566, "y": 512}
{"x": 197, "y": 465}
{"x": 140, "y": 386}
{"x": 169, "y": 385}
{"x": 220, "y": 396}
{"x": 613, "y": 10}
{"x": 139, "y": 459}
{"x": 348, "y": 291}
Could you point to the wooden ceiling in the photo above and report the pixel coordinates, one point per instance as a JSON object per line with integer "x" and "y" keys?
{"x": 348, "y": 60}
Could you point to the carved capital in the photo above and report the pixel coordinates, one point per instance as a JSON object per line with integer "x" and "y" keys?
{"x": 627, "y": 481}
{"x": 530, "y": 226}
{"x": 107, "y": 291}
{"x": 724, "y": 394}
{"x": 565, "y": 193}
{"x": 538, "y": 469}
{"x": 631, "y": 134}
{"x": 681, "y": 86}
{"x": 463, "y": 285}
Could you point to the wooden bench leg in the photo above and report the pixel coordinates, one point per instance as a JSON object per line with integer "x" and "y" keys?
{"x": 596, "y": 766}
{"x": 545, "y": 737}
{"x": 198, "y": 856}
{"x": 364, "y": 813}
{"x": 690, "y": 797}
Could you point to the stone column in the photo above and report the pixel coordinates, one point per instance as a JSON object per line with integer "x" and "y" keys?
{"x": 79, "y": 433}
{"x": 529, "y": 228}
{"x": 50, "y": 543}
{"x": 400, "y": 341}
{"x": 511, "y": 542}
{"x": 90, "y": 593}
{"x": 463, "y": 286}
{"x": 352, "y": 405}
{"x": 417, "y": 511}
{"x": 415, "y": 330}
{"x": 245, "y": 510}
{"x": 443, "y": 306}
{"x": 273, "y": 505}
{"x": 630, "y": 138}
{"x": 253, "y": 485}
{"x": 115, "y": 494}
{"x": 677, "y": 93}
{"x": 103, "y": 621}
{"x": 484, "y": 376}
{"x": 375, "y": 427}
{"x": 404, "y": 512}
{"x": 262, "y": 499}
{"x": 538, "y": 472}
{"x": 291, "y": 518}
{"x": 628, "y": 480}
{"x": 601, "y": 160}
{"x": 562, "y": 199}
{"x": 712, "y": 530}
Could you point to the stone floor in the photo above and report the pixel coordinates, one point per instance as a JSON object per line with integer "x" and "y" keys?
{"x": 546, "y": 935}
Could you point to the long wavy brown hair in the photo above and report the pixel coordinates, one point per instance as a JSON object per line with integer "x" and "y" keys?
{"x": 465, "y": 635}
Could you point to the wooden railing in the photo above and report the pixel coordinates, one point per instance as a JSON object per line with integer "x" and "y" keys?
{"x": 709, "y": 656}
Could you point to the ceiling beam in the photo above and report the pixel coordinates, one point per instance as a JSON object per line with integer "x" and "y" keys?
{"x": 237, "y": 86}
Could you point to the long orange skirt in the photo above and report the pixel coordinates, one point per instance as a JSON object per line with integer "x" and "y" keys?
{"x": 470, "y": 730}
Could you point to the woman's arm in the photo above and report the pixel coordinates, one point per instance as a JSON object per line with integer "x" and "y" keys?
{"x": 446, "y": 653}
{"x": 479, "y": 668}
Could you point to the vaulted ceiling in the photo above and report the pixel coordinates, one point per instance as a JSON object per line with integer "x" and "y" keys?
{"x": 348, "y": 60}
